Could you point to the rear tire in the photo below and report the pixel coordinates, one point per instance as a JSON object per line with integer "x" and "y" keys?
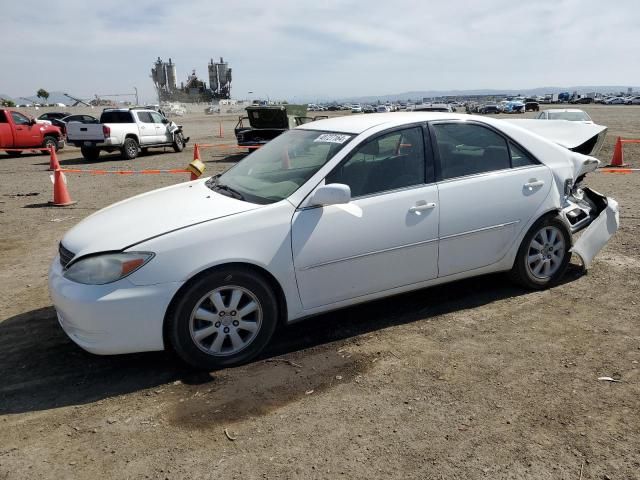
{"x": 544, "y": 254}
{"x": 129, "y": 149}
{"x": 90, "y": 153}
{"x": 223, "y": 319}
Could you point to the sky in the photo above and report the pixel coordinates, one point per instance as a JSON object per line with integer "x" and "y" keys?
{"x": 299, "y": 49}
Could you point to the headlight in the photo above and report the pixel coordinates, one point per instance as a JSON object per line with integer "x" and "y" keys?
{"x": 106, "y": 268}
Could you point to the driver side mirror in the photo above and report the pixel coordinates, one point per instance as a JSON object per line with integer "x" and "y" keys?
{"x": 332, "y": 194}
{"x": 165, "y": 121}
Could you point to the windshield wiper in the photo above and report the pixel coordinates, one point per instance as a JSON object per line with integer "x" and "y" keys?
{"x": 226, "y": 190}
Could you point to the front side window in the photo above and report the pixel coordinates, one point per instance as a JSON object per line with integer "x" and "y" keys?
{"x": 388, "y": 162}
{"x": 19, "y": 119}
{"x": 157, "y": 118}
{"x": 468, "y": 149}
{"x": 280, "y": 167}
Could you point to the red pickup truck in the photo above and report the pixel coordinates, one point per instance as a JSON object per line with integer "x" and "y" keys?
{"x": 21, "y": 132}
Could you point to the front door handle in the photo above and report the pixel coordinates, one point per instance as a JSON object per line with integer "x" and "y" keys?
{"x": 533, "y": 183}
{"x": 421, "y": 206}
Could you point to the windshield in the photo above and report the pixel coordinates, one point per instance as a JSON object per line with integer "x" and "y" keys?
{"x": 279, "y": 168}
{"x": 572, "y": 116}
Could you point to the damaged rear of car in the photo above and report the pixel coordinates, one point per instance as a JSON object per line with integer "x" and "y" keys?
{"x": 583, "y": 209}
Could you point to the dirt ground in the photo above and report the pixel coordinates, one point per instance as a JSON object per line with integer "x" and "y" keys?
{"x": 476, "y": 379}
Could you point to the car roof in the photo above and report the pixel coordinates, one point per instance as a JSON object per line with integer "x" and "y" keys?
{"x": 360, "y": 123}
{"x": 564, "y": 110}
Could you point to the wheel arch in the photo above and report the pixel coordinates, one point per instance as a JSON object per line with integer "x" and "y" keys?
{"x": 551, "y": 212}
{"x": 256, "y": 269}
{"x": 132, "y": 135}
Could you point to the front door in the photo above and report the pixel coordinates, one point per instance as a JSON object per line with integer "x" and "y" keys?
{"x": 162, "y": 129}
{"x": 27, "y": 135}
{"x": 386, "y": 237}
{"x": 489, "y": 189}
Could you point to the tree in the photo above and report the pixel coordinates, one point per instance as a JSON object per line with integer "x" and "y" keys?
{"x": 7, "y": 103}
{"x": 42, "y": 93}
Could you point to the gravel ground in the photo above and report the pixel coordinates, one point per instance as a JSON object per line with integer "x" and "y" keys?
{"x": 476, "y": 379}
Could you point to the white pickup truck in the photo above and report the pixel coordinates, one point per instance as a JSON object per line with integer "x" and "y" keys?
{"x": 128, "y": 130}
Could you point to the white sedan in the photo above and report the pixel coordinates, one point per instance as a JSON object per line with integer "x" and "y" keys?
{"x": 571, "y": 114}
{"x": 331, "y": 214}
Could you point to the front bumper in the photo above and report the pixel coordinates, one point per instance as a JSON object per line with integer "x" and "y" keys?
{"x": 111, "y": 319}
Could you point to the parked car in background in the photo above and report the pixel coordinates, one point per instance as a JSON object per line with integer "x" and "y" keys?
{"x": 356, "y": 108}
{"x": 82, "y": 118}
{"x": 128, "y": 130}
{"x": 328, "y": 215}
{"x": 432, "y": 107}
{"x": 571, "y": 114}
{"x": 634, "y": 101}
{"x": 581, "y": 100}
{"x": 615, "y": 101}
{"x": 532, "y": 106}
{"x": 491, "y": 108}
{"x": 368, "y": 109}
{"x": 50, "y": 116}
{"x": 18, "y": 131}
{"x": 382, "y": 109}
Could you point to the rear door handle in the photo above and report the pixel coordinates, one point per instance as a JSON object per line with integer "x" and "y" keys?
{"x": 422, "y": 206}
{"x": 533, "y": 184}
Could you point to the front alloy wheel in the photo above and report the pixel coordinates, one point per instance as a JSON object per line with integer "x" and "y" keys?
{"x": 224, "y": 318}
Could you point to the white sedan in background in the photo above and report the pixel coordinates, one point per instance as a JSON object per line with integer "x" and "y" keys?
{"x": 331, "y": 214}
{"x": 571, "y": 114}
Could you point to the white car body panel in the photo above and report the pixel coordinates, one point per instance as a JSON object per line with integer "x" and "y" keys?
{"x": 148, "y": 215}
{"x": 481, "y": 215}
{"x": 321, "y": 258}
{"x": 337, "y": 246}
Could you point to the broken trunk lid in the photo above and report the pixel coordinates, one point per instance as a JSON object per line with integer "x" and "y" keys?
{"x": 584, "y": 138}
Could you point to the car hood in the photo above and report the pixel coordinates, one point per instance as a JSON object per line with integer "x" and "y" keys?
{"x": 129, "y": 222}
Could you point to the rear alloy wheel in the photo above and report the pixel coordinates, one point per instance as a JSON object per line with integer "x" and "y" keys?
{"x": 544, "y": 254}
{"x": 129, "y": 149}
{"x": 224, "y": 319}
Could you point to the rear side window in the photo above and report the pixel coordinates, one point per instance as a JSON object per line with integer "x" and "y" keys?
{"x": 520, "y": 158}
{"x": 145, "y": 117}
{"x": 468, "y": 149}
{"x": 116, "y": 117}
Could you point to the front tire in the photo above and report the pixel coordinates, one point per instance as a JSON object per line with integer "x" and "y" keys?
{"x": 129, "y": 149}
{"x": 544, "y": 254}
{"x": 48, "y": 143}
{"x": 178, "y": 142}
{"x": 223, "y": 319}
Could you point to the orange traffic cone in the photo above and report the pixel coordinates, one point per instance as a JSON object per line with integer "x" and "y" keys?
{"x": 196, "y": 152}
{"x": 53, "y": 159}
{"x": 220, "y": 131}
{"x": 618, "y": 155}
{"x": 61, "y": 197}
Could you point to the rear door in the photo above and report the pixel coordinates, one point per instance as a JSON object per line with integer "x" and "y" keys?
{"x": 489, "y": 188}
